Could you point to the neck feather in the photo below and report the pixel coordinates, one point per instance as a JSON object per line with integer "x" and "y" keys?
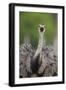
{"x": 40, "y": 45}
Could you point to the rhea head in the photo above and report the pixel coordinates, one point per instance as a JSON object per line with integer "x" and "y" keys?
{"x": 41, "y": 28}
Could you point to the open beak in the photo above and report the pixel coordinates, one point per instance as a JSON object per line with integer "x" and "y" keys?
{"x": 41, "y": 29}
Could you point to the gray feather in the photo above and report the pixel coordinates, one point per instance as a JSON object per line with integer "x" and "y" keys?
{"x": 32, "y": 67}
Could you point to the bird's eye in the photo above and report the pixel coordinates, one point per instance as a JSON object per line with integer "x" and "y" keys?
{"x": 41, "y": 29}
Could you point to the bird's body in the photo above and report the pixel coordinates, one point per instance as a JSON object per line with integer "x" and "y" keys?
{"x": 39, "y": 62}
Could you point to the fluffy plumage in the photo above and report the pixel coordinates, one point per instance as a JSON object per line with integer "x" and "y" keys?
{"x": 47, "y": 66}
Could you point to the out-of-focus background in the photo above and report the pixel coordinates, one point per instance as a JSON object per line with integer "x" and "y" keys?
{"x": 29, "y": 22}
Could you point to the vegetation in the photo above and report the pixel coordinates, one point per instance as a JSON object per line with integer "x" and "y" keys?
{"x": 28, "y": 26}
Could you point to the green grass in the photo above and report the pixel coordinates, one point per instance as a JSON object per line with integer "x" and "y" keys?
{"x": 29, "y": 22}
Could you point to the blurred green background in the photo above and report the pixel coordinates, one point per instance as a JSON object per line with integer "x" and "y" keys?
{"x": 29, "y": 22}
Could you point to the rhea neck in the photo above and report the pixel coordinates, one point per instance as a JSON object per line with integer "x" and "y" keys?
{"x": 40, "y": 44}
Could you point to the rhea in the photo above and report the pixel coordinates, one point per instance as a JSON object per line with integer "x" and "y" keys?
{"x": 41, "y": 61}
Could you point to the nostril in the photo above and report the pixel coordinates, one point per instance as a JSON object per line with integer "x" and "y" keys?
{"x": 41, "y": 29}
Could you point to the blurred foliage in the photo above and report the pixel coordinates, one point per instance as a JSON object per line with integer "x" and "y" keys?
{"x": 29, "y": 22}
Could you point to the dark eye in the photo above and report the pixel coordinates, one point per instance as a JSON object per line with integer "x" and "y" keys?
{"x": 41, "y": 29}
